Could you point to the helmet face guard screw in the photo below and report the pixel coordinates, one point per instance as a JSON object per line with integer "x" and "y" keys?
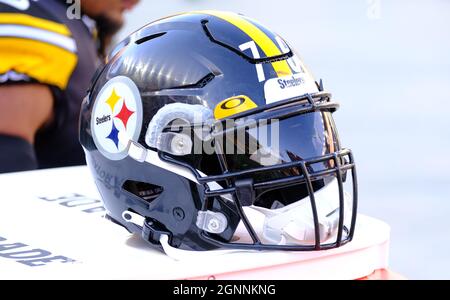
{"x": 213, "y": 224}
{"x": 178, "y": 213}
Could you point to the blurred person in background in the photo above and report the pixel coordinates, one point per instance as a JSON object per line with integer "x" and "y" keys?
{"x": 46, "y": 63}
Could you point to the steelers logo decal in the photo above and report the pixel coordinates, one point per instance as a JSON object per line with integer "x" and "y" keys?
{"x": 117, "y": 117}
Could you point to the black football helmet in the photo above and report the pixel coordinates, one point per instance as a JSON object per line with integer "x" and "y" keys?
{"x": 207, "y": 129}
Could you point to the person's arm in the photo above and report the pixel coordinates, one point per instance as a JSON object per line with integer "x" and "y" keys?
{"x": 38, "y": 55}
{"x": 24, "y": 109}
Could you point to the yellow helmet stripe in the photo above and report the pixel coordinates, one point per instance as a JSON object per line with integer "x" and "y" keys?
{"x": 262, "y": 40}
{"x": 26, "y": 20}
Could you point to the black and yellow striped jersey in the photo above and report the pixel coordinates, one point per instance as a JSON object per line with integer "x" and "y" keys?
{"x": 39, "y": 43}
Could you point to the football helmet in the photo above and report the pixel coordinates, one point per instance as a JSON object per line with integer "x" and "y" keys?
{"x": 205, "y": 130}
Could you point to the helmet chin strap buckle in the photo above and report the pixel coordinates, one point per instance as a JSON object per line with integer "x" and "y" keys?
{"x": 151, "y": 232}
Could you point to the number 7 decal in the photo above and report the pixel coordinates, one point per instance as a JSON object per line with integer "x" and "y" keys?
{"x": 259, "y": 68}
{"x": 294, "y": 62}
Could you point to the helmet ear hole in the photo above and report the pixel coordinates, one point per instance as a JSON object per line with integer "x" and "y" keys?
{"x": 146, "y": 191}
{"x": 177, "y": 144}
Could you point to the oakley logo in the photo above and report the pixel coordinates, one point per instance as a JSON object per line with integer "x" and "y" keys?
{"x": 233, "y": 106}
{"x": 233, "y": 103}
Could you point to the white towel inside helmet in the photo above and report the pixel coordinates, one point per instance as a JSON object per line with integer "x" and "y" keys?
{"x": 294, "y": 224}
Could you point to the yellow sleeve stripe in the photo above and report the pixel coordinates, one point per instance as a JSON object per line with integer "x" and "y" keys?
{"x": 41, "y": 61}
{"x": 27, "y": 20}
{"x": 262, "y": 40}
{"x": 27, "y": 32}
